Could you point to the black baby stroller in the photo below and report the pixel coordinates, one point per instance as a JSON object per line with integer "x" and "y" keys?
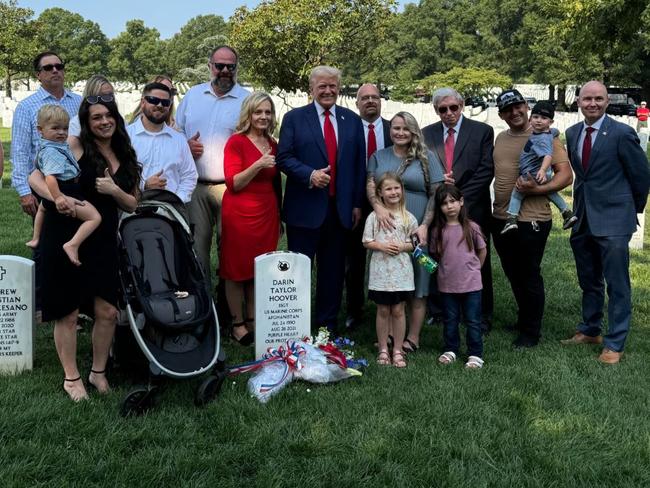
{"x": 167, "y": 303}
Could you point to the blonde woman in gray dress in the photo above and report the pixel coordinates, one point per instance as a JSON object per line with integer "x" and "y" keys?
{"x": 421, "y": 172}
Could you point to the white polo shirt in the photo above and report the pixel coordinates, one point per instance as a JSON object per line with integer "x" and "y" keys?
{"x": 168, "y": 151}
{"x": 215, "y": 119}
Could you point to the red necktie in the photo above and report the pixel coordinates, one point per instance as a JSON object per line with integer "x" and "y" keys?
{"x": 586, "y": 148}
{"x": 330, "y": 146}
{"x": 449, "y": 149}
{"x": 372, "y": 141}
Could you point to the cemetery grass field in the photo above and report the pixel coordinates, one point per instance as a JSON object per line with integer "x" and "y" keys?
{"x": 547, "y": 417}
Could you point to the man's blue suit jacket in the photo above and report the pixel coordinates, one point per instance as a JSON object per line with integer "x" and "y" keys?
{"x": 301, "y": 150}
{"x": 615, "y": 186}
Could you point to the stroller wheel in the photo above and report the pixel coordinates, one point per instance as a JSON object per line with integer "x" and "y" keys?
{"x": 209, "y": 389}
{"x": 138, "y": 401}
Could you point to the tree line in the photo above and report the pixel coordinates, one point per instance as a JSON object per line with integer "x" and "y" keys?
{"x": 469, "y": 44}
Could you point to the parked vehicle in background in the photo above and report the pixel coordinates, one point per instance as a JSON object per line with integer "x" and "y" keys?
{"x": 621, "y": 104}
{"x": 531, "y": 101}
{"x": 476, "y": 102}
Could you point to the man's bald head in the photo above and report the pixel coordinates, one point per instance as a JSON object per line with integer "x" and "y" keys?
{"x": 593, "y": 101}
{"x": 369, "y": 102}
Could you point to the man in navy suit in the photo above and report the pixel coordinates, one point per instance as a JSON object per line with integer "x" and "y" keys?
{"x": 611, "y": 187}
{"x": 322, "y": 152}
{"x": 376, "y": 131}
{"x": 470, "y": 168}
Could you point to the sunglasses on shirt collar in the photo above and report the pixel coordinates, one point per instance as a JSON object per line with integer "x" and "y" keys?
{"x": 50, "y": 67}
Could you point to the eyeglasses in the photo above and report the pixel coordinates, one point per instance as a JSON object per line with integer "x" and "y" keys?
{"x": 367, "y": 98}
{"x": 165, "y": 102}
{"x": 443, "y": 110}
{"x": 93, "y": 99}
{"x": 50, "y": 67}
{"x": 221, "y": 66}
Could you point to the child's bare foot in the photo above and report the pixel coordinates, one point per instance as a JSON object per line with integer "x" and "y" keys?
{"x": 73, "y": 253}
{"x": 33, "y": 244}
{"x": 99, "y": 381}
{"x": 75, "y": 389}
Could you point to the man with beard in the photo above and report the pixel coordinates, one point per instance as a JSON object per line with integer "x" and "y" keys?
{"x": 208, "y": 115}
{"x": 521, "y": 252}
{"x": 166, "y": 160}
{"x": 377, "y": 136}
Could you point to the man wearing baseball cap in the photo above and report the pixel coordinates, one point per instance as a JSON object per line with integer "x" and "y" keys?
{"x": 521, "y": 250}
{"x": 642, "y": 113}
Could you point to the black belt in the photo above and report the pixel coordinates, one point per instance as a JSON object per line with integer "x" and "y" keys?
{"x": 208, "y": 182}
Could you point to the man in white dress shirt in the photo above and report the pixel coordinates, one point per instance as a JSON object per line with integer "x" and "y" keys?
{"x": 166, "y": 160}
{"x": 208, "y": 115}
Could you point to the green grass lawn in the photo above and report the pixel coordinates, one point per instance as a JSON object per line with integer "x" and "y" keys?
{"x": 547, "y": 417}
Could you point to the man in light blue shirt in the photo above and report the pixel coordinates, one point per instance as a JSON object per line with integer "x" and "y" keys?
{"x": 25, "y": 139}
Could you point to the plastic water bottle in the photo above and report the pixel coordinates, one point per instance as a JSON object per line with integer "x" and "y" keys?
{"x": 424, "y": 260}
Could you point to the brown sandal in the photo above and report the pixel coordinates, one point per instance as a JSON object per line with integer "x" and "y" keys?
{"x": 383, "y": 358}
{"x": 399, "y": 359}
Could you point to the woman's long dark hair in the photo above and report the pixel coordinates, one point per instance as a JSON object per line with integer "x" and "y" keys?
{"x": 120, "y": 143}
{"x": 439, "y": 219}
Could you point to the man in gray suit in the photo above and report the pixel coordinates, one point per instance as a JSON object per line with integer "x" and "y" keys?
{"x": 465, "y": 146}
{"x": 611, "y": 187}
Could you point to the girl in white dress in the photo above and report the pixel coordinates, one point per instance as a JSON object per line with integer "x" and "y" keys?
{"x": 390, "y": 281}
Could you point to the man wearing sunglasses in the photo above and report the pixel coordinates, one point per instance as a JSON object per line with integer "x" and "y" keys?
{"x": 465, "y": 146}
{"x": 50, "y": 71}
{"x": 166, "y": 160}
{"x": 207, "y": 116}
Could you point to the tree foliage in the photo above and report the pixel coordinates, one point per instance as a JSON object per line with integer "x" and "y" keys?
{"x": 190, "y": 47}
{"x": 282, "y": 40}
{"x": 79, "y": 42}
{"x": 468, "y": 81}
{"x": 137, "y": 54}
{"x": 18, "y": 44}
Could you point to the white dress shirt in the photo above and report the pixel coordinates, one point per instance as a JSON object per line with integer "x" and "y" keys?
{"x": 214, "y": 118}
{"x": 596, "y": 125}
{"x": 379, "y": 132}
{"x": 321, "y": 118}
{"x": 168, "y": 151}
{"x": 445, "y": 130}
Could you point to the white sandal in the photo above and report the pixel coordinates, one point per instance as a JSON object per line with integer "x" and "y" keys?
{"x": 447, "y": 357}
{"x": 474, "y": 362}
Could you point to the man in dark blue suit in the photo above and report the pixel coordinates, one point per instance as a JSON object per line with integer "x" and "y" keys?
{"x": 611, "y": 187}
{"x": 321, "y": 150}
{"x": 376, "y": 131}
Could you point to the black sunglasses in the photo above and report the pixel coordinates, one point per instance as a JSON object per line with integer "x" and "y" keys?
{"x": 93, "y": 99}
{"x": 443, "y": 110}
{"x": 220, "y": 66}
{"x": 165, "y": 102}
{"x": 50, "y": 67}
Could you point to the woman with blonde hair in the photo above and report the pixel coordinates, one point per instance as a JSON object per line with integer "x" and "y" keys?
{"x": 250, "y": 213}
{"x": 421, "y": 172}
{"x": 96, "y": 86}
{"x": 167, "y": 81}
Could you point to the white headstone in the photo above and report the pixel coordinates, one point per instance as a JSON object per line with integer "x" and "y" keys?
{"x": 282, "y": 299}
{"x": 17, "y": 300}
{"x": 637, "y": 238}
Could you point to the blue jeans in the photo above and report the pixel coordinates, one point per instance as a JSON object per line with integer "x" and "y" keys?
{"x": 517, "y": 198}
{"x": 470, "y": 304}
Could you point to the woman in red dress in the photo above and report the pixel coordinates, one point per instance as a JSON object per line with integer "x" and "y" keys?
{"x": 250, "y": 214}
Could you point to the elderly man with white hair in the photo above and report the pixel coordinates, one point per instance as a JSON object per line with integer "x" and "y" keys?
{"x": 322, "y": 152}
{"x": 465, "y": 146}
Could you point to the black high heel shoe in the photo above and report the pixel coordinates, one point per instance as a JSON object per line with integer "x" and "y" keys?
{"x": 245, "y": 340}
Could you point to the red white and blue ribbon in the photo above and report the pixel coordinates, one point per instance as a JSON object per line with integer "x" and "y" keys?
{"x": 289, "y": 354}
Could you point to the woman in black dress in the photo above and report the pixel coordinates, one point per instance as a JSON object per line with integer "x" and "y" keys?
{"x": 109, "y": 180}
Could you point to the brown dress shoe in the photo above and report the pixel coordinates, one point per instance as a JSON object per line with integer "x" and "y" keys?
{"x": 580, "y": 338}
{"x": 609, "y": 357}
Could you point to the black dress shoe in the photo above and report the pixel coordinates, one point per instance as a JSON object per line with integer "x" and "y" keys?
{"x": 525, "y": 341}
